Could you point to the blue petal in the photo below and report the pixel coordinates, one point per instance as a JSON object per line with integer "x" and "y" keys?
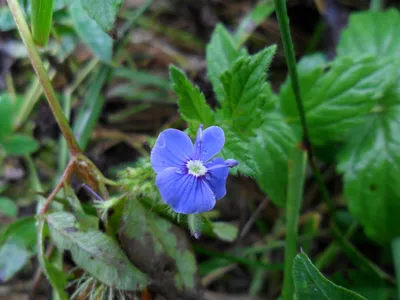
{"x": 173, "y": 148}
{"x": 218, "y": 171}
{"x": 185, "y": 193}
{"x": 209, "y": 143}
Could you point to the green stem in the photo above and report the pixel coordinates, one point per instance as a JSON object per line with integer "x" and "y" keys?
{"x": 297, "y": 170}
{"x": 376, "y": 5}
{"x": 43, "y": 77}
{"x": 396, "y": 260}
{"x": 283, "y": 20}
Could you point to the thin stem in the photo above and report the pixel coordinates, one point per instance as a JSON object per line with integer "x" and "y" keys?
{"x": 283, "y": 19}
{"x": 297, "y": 170}
{"x": 64, "y": 178}
{"x": 396, "y": 260}
{"x": 43, "y": 77}
{"x": 376, "y": 5}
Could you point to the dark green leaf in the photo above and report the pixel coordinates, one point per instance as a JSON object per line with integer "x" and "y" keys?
{"x": 338, "y": 100}
{"x": 104, "y": 12}
{"x": 192, "y": 104}
{"x": 6, "y": 114}
{"x": 311, "y": 284}
{"x": 160, "y": 249}
{"x": 19, "y": 144}
{"x": 246, "y": 91}
{"x": 221, "y": 53}
{"x": 370, "y": 161}
{"x": 12, "y": 259}
{"x": 90, "y": 32}
{"x": 96, "y": 253}
{"x": 372, "y": 33}
{"x": 22, "y": 233}
{"x": 41, "y": 17}
{"x": 8, "y": 207}
{"x": 271, "y": 149}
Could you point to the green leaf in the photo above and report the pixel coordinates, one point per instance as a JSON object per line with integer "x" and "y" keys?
{"x": 221, "y": 52}
{"x": 6, "y": 116}
{"x": 12, "y": 259}
{"x": 192, "y": 104}
{"x": 96, "y": 253}
{"x": 337, "y": 100}
{"x": 6, "y": 19}
{"x": 19, "y": 144}
{"x": 22, "y": 233}
{"x": 246, "y": 91}
{"x": 225, "y": 231}
{"x": 90, "y": 32}
{"x": 56, "y": 277}
{"x": 104, "y": 12}
{"x": 370, "y": 161}
{"x": 311, "y": 284}
{"x": 41, "y": 17}
{"x": 8, "y": 207}
{"x": 271, "y": 148}
{"x": 371, "y": 33}
{"x": 159, "y": 248}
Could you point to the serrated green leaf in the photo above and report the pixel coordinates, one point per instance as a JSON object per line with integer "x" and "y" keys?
{"x": 246, "y": 91}
{"x": 311, "y": 284}
{"x": 154, "y": 245}
{"x": 6, "y": 115}
{"x": 371, "y": 33}
{"x": 90, "y": 32}
{"x": 19, "y": 144}
{"x": 337, "y": 100}
{"x": 270, "y": 150}
{"x": 221, "y": 52}
{"x": 104, "y": 12}
{"x": 12, "y": 259}
{"x": 192, "y": 103}
{"x": 238, "y": 149}
{"x": 96, "y": 253}
{"x": 8, "y": 207}
{"x": 370, "y": 161}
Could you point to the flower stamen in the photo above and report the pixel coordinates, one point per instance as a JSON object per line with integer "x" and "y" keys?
{"x": 196, "y": 168}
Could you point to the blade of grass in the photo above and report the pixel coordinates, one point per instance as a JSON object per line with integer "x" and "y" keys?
{"x": 297, "y": 170}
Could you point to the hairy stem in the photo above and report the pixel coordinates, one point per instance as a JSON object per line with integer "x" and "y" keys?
{"x": 43, "y": 77}
{"x": 297, "y": 170}
{"x": 283, "y": 19}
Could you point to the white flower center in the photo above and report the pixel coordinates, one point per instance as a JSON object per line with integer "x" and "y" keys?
{"x": 196, "y": 168}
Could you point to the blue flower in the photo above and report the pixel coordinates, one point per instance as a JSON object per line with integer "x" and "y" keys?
{"x": 188, "y": 179}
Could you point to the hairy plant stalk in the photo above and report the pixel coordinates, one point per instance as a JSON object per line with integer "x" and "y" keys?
{"x": 297, "y": 170}
{"x": 283, "y": 20}
{"x": 43, "y": 77}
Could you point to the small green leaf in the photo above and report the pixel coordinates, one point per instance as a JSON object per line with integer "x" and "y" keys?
{"x": 6, "y": 116}
{"x": 104, "y": 12}
{"x": 95, "y": 252}
{"x": 371, "y": 33}
{"x": 90, "y": 32}
{"x": 155, "y": 245}
{"x": 225, "y": 231}
{"x": 6, "y": 19}
{"x": 311, "y": 284}
{"x": 192, "y": 104}
{"x": 56, "y": 277}
{"x": 271, "y": 149}
{"x": 337, "y": 100}
{"x": 220, "y": 54}
{"x": 8, "y": 207}
{"x": 246, "y": 91}
{"x": 22, "y": 233}
{"x": 42, "y": 14}
{"x": 19, "y": 144}
{"x": 12, "y": 259}
{"x": 370, "y": 161}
